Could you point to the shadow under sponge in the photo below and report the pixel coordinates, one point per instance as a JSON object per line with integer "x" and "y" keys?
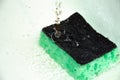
{"x": 80, "y": 50}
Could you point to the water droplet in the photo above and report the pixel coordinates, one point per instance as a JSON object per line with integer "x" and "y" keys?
{"x": 77, "y": 44}
{"x": 64, "y": 31}
{"x": 57, "y": 34}
{"x": 67, "y": 39}
{"x": 83, "y": 38}
{"x": 67, "y": 20}
{"x": 88, "y": 36}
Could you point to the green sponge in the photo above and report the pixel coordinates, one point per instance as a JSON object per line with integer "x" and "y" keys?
{"x": 79, "y": 49}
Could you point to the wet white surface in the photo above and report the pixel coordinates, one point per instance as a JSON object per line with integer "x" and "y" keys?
{"x": 21, "y": 58}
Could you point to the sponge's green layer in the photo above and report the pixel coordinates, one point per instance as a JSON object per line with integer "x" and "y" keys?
{"x": 79, "y": 72}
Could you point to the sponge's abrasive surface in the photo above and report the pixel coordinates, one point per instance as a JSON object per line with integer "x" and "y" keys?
{"x": 79, "y": 39}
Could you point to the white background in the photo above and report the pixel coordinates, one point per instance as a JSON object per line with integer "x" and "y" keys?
{"x": 21, "y": 58}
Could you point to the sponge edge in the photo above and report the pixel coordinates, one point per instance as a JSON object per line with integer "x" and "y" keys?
{"x": 79, "y": 72}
